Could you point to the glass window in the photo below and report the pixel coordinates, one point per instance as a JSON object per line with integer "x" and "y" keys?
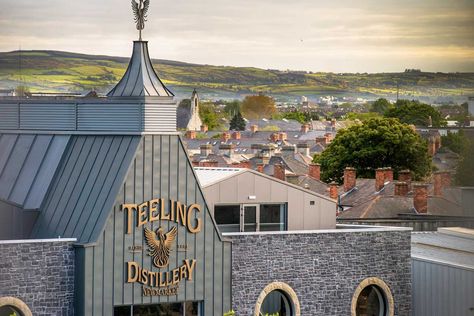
{"x": 272, "y": 217}
{"x": 165, "y": 309}
{"x": 10, "y": 311}
{"x": 371, "y": 302}
{"x": 227, "y": 218}
{"x": 250, "y": 218}
{"x": 276, "y": 303}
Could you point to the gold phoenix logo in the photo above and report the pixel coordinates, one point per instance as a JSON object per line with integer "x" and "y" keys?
{"x": 159, "y": 245}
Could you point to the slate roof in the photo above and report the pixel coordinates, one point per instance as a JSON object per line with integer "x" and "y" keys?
{"x": 27, "y": 165}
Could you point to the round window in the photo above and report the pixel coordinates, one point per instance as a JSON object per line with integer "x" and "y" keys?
{"x": 8, "y": 310}
{"x": 276, "y": 303}
{"x": 371, "y": 302}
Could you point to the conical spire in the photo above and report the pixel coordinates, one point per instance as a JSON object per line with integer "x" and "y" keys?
{"x": 140, "y": 79}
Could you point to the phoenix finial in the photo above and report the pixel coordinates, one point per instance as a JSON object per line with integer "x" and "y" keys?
{"x": 140, "y": 10}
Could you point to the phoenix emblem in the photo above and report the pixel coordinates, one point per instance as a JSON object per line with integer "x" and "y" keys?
{"x": 140, "y": 10}
{"x": 159, "y": 245}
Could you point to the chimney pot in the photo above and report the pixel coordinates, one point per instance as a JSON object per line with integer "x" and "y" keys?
{"x": 204, "y": 128}
{"x": 388, "y": 174}
{"x": 279, "y": 171}
{"x": 225, "y": 136}
{"x": 236, "y": 135}
{"x": 254, "y": 128}
{"x": 304, "y": 128}
{"x": 333, "y": 190}
{"x": 315, "y": 171}
{"x": 191, "y": 134}
{"x": 420, "y": 198}
{"x": 260, "y": 167}
{"x": 379, "y": 179}
{"x": 401, "y": 188}
{"x": 405, "y": 176}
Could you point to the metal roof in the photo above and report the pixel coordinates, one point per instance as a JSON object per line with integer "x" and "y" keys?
{"x": 445, "y": 246}
{"x": 140, "y": 79}
{"x": 207, "y": 176}
{"x": 27, "y": 165}
{"x": 85, "y": 187}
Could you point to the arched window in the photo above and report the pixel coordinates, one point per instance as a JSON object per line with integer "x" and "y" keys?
{"x": 277, "y": 298}
{"x": 372, "y": 298}
{"x": 13, "y": 306}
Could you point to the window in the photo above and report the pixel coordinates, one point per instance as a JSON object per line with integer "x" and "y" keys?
{"x": 372, "y": 298}
{"x": 276, "y": 303}
{"x": 12, "y": 306}
{"x": 251, "y": 217}
{"x": 9, "y": 310}
{"x": 165, "y": 309}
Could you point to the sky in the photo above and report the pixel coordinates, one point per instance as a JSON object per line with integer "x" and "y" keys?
{"x": 312, "y": 35}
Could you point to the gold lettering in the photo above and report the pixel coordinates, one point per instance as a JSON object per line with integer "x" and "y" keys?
{"x": 129, "y": 208}
{"x": 144, "y": 279}
{"x": 197, "y": 228}
{"x": 135, "y": 267}
{"x": 181, "y": 210}
{"x": 176, "y": 276}
{"x": 142, "y": 210}
{"x": 164, "y": 216}
{"x": 153, "y": 207}
{"x": 190, "y": 268}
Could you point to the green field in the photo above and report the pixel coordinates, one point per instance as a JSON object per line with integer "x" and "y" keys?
{"x": 54, "y": 71}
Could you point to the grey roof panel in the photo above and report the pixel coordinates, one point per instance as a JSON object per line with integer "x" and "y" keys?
{"x": 140, "y": 79}
{"x": 27, "y": 164}
{"x": 85, "y": 188}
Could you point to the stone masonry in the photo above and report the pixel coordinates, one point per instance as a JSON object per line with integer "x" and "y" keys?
{"x": 41, "y": 274}
{"x": 323, "y": 268}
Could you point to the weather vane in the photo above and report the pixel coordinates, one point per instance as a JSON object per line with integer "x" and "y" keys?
{"x": 140, "y": 10}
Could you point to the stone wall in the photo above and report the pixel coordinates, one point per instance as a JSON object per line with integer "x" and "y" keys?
{"x": 324, "y": 268}
{"x": 41, "y": 274}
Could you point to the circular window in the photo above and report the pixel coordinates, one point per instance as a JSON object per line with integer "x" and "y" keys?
{"x": 372, "y": 298}
{"x": 277, "y": 299}
{"x": 12, "y": 306}
{"x": 276, "y": 303}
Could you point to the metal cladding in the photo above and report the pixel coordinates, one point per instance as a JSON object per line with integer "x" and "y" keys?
{"x": 140, "y": 79}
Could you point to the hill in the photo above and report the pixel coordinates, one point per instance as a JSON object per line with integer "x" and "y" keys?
{"x": 56, "y": 71}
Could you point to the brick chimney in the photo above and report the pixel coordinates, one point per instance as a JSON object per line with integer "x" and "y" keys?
{"x": 236, "y": 135}
{"x": 282, "y": 136}
{"x": 333, "y": 190}
{"x": 379, "y": 178}
{"x": 304, "y": 128}
{"x": 204, "y": 128}
{"x": 292, "y": 178}
{"x": 225, "y": 136}
{"x": 314, "y": 171}
{"x": 241, "y": 164}
{"x": 191, "y": 134}
{"x": 208, "y": 163}
{"x": 279, "y": 171}
{"x": 401, "y": 188}
{"x": 333, "y": 124}
{"x": 420, "y": 198}
{"x": 431, "y": 146}
{"x": 206, "y": 149}
{"x": 441, "y": 179}
{"x": 446, "y": 179}
{"x": 260, "y": 167}
{"x": 349, "y": 178}
{"x": 388, "y": 175}
{"x": 227, "y": 149}
{"x": 274, "y": 137}
{"x": 254, "y": 128}
{"x": 321, "y": 140}
{"x": 405, "y": 176}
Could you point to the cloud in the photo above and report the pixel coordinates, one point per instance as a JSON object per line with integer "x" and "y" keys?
{"x": 365, "y": 35}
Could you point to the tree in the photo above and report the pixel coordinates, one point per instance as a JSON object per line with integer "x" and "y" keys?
{"x": 232, "y": 108}
{"x": 22, "y": 91}
{"x": 237, "y": 123}
{"x": 209, "y": 116}
{"x": 455, "y": 141}
{"x": 258, "y": 106}
{"x": 416, "y": 113}
{"x": 380, "y": 106}
{"x": 376, "y": 143}
{"x": 465, "y": 168}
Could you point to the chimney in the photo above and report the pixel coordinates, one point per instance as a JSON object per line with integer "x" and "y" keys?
{"x": 208, "y": 163}
{"x": 420, "y": 199}
{"x": 379, "y": 178}
{"x": 437, "y": 142}
{"x": 333, "y": 190}
{"x": 206, "y": 149}
{"x": 195, "y": 163}
{"x": 328, "y": 137}
{"x": 401, "y": 188}
{"x": 227, "y": 149}
{"x": 241, "y": 164}
{"x": 274, "y": 137}
{"x": 304, "y": 128}
{"x": 279, "y": 171}
{"x": 256, "y": 148}
{"x": 236, "y": 135}
{"x": 260, "y": 167}
{"x": 349, "y": 178}
{"x": 225, "y": 136}
{"x": 282, "y": 136}
{"x": 431, "y": 146}
{"x": 204, "y": 128}
{"x": 303, "y": 148}
{"x": 315, "y": 171}
{"x": 441, "y": 179}
{"x": 254, "y": 128}
{"x": 405, "y": 176}
{"x": 292, "y": 178}
{"x": 288, "y": 149}
{"x": 191, "y": 134}
{"x": 388, "y": 175}
{"x": 333, "y": 124}
{"x": 321, "y": 140}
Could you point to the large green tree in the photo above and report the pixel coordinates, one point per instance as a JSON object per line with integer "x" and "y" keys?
{"x": 375, "y": 143}
{"x": 465, "y": 169}
{"x": 380, "y": 106}
{"x": 258, "y": 106}
{"x": 237, "y": 123}
{"x": 416, "y": 113}
{"x": 209, "y": 115}
{"x": 455, "y": 141}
